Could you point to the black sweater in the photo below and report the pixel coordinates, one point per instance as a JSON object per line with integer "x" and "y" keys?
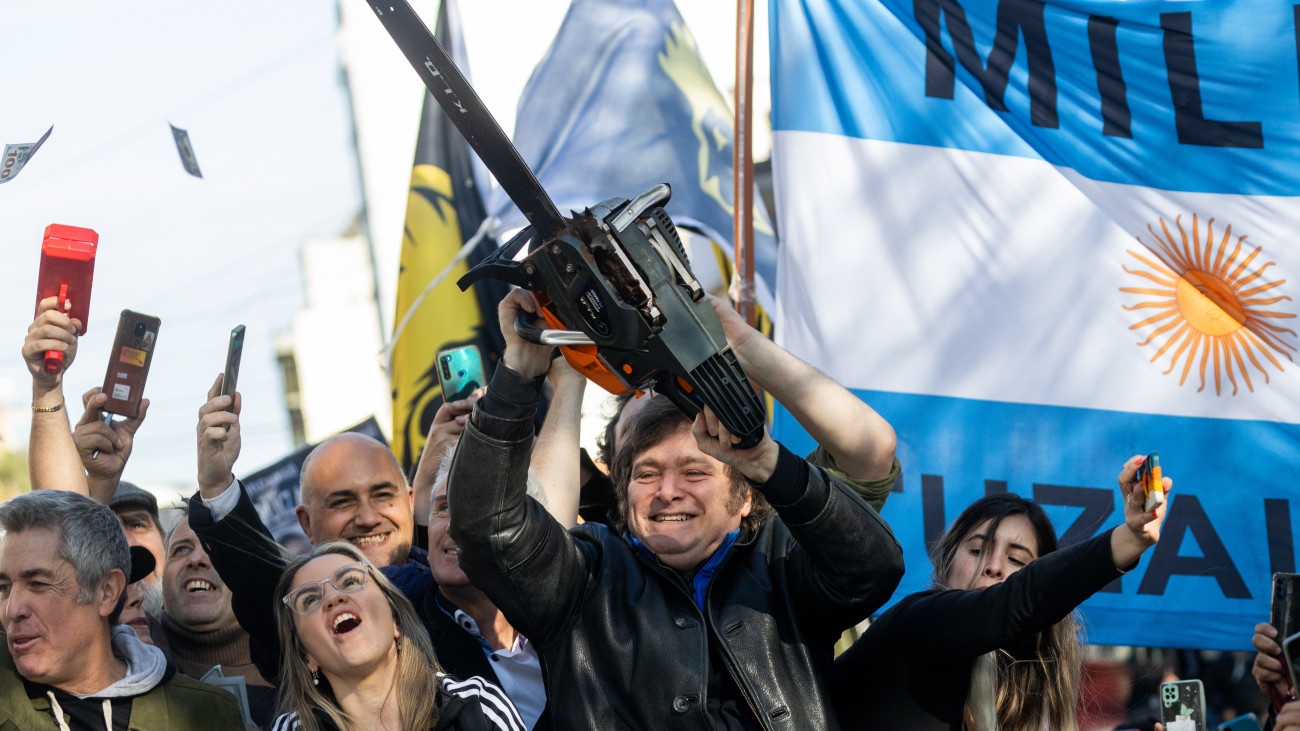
{"x": 911, "y": 669}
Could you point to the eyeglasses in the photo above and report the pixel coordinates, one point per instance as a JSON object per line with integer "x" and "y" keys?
{"x": 348, "y": 579}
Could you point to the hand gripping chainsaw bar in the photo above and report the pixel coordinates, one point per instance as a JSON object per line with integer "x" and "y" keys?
{"x": 613, "y": 281}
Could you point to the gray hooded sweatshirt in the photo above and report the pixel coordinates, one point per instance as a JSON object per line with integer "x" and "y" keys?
{"x": 146, "y": 667}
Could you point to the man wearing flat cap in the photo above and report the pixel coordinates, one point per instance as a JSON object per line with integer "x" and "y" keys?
{"x": 137, "y": 511}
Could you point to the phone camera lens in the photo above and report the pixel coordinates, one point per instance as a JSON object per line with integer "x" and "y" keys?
{"x": 446, "y": 367}
{"x": 139, "y": 329}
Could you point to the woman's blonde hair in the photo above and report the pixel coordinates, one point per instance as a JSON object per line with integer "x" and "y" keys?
{"x": 1031, "y": 685}
{"x": 418, "y": 671}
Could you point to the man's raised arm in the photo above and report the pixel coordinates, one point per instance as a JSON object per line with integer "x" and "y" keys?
{"x": 857, "y": 440}
{"x": 232, "y": 533}
{"x": 557, "y": 455}
{"x": 104, "y": 446}
{"x": 52, "y": 456}
{"x": 510, "y": 546}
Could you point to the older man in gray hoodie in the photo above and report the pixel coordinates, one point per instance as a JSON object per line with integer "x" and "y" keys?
{"x": 64, "y": 567}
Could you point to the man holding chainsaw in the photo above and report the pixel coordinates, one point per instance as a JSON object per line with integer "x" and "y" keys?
{"x": 698, "y": 610}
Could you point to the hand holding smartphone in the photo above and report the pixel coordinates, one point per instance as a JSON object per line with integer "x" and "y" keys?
{"x": 1153, "y": 483}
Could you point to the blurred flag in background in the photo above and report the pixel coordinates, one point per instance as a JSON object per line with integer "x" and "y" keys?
{"x": 621, "y": 102}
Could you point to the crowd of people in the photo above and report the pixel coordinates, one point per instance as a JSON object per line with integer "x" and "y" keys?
{"x": 512, "y": 584}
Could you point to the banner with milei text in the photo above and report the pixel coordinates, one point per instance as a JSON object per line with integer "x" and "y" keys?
{"x": 1042, "y": 237}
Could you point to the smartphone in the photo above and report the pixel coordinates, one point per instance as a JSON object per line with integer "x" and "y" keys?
{"x": 128, "y": 362}
{"x": 1153, "y": 483}
{"x": 1182, "y": 705}
{"x": 1284, "y": 612}
{"x": 234, "y": 351}
{"x": 1248, "y": 722}
{"x": 67, "y": 271}
{"x": 460, "y": 370}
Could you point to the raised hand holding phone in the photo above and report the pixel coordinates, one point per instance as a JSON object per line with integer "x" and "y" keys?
{"x": 1268, "y": 669}
{"x": 218, "y": 440}
{"x": 104, "y": 445}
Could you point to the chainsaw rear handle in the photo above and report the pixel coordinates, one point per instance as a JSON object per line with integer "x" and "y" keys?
{"x": 537, "y": 336}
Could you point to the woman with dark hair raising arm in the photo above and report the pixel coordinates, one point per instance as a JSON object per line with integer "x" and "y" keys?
{"x": 993, "y": 645}
{"x": 356, "y": 656}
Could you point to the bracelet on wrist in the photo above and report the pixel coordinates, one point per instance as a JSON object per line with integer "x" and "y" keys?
{"x": 47, "y": 409}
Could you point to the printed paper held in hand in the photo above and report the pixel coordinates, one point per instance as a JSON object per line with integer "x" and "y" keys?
{"x": 235, "y": 684}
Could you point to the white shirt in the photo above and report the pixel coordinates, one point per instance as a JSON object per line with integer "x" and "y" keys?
{"x": 518, "y": 670}
{"x": 223, "y": 504}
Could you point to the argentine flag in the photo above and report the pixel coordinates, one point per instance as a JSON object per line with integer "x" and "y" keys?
{"x": 1040, "y": 238}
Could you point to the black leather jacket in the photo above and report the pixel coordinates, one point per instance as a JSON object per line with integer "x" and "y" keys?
{"x": 623, "y": 643}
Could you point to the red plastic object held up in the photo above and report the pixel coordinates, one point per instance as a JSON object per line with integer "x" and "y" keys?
{"x": 67, "y": 272}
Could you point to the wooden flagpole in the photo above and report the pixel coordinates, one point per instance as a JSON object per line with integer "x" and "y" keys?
{"x": 743, "y": 160}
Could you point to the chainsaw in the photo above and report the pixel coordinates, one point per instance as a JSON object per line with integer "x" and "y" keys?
{"x": 614, "y": 283}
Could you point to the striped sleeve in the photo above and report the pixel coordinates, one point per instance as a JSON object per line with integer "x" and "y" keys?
{"x": 286, "y": 722}
{"x": 496, "y": 707}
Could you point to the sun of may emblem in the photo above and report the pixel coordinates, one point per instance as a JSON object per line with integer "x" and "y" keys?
{"x": 1212, "y": 297}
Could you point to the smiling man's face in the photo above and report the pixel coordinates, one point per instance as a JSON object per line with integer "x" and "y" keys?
{"x": 353, "y": 490}
{"x": 194, "y": 595}
{"x": 680, "y": 501}
{"x": 444, "y": 559}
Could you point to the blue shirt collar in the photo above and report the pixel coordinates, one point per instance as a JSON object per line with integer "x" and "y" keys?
{"x": 699, "y": 582}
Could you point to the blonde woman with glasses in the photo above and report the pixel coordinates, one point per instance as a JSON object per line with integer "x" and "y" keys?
{"x": 357, "y": 657}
